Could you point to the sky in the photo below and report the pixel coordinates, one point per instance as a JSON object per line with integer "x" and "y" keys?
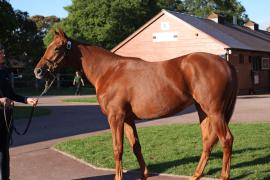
{"x": 257, "y": 10}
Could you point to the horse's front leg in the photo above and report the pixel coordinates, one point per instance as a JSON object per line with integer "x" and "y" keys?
{"x": 116, "y": 121}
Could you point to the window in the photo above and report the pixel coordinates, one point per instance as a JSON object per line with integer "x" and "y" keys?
{"x": 249, "y": 59}
{"x": 256, "y": 63}
{"x": 165, "y": 26}
{"x": 241, "y": 59}
{"x": 165, "y": 37}
{"x": 265, "y": 63}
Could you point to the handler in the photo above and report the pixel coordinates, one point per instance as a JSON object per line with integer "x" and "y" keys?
{"x": 7, "y": 97}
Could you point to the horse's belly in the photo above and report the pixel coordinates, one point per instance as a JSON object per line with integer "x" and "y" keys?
{"x": 159, "y": 107}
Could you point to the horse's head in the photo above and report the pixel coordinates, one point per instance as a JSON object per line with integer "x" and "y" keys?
{"x": 54, "y": 56}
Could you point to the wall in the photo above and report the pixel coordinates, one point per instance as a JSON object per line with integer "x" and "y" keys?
{"x": 189, "y": 39}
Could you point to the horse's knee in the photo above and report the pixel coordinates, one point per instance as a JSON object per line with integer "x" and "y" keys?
{"x": 118, "y": 154}
{"x": 228, "y": 142}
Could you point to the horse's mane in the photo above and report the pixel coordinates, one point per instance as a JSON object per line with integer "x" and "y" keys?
{"x": 81, "y": 41}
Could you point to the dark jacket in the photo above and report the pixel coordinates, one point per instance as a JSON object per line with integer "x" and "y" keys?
{"x": 6, "y": 89}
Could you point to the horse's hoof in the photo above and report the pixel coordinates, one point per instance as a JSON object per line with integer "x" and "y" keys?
{"x": 224, "y": 178}
{"x": 194, "y": 178}
{"x": 145, "y": 174}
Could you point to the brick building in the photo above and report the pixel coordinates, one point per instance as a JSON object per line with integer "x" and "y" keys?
{"x": 171, "y": 34}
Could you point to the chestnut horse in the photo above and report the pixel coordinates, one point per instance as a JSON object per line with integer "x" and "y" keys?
{"x": 129, "y": 88}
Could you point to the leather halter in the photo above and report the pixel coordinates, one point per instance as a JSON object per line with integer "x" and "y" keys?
{"x": 52, "y": 65}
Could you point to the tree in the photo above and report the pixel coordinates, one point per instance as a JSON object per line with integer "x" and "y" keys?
{"x": 228, "y": 8}
{"x": 24, "y": 43}
{"x": 18, "y": 33}
{"x": 44, "y": 23}
{"x": 106, "y": 23}
{"x": 173, "y": 5}
{"x": 7, "y": 21}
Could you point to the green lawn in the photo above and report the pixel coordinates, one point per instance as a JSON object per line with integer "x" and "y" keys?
{"x": 176, "y": 149}
{"x": 54, "y": 91}
{"x": 82, "y": 100}
{"x": 21, "y": 112}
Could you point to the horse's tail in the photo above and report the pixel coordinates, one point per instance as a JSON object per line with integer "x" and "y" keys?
{"x": 233, "y": 89}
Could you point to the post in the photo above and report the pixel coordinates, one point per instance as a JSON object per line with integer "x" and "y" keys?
{"x": 58, "y": 80}
{"x": 12, "y": 79}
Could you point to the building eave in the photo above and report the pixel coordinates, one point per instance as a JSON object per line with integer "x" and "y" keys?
{"x": 240, "y": 49}
{"x": 134, "y": 34}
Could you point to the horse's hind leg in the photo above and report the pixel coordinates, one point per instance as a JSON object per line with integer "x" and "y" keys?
{"x": 209, "y": 138}
{"x": 132, "y": 135}
{"x": 226, "y": 139}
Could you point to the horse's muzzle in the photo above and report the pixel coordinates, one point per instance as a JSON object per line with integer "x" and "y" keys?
{"x": 38, "y": 73}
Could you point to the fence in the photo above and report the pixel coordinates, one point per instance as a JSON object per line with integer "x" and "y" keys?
{"x": 29, "y": 81}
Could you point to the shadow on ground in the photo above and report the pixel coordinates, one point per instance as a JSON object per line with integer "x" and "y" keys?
{"x": 65, "y": 121}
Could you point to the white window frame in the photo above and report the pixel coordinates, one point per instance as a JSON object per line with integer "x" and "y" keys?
{"x": 265, "y": 63}
{"x": 165, "y": 26}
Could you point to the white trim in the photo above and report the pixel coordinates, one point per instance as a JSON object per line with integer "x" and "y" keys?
{"x": 265, "y": 63}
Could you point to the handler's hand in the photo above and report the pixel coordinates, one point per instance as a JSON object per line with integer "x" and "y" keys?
{"x": 32, "y": 101}
{"x": 6, "y": 102}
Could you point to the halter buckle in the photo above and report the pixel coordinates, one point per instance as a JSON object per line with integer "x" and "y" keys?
{"x": 68, "y": 45}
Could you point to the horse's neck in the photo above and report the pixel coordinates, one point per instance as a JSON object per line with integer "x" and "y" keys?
{"x": 96, "y": 62}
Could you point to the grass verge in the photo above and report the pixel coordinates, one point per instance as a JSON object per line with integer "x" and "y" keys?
{"x": 55, "y": 91}
{"x": 176, "y": 149}
{"x": 82, "y": 100}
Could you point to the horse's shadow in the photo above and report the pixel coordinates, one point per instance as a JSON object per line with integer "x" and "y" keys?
{"x": 103, "y": 177}
{"x": 66, "y": 121}
{"x": 128, "y": 175}
{"x": 162, "y": 167}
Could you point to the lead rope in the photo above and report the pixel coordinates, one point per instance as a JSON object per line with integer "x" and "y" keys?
{"x": 11, "y": 124}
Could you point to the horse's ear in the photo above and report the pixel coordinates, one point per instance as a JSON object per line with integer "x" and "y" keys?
{"x": 54, "y": 32}
{"x": 62, "y": 33}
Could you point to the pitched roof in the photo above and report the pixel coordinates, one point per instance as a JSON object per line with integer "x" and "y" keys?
{"x": 234, "y": 36}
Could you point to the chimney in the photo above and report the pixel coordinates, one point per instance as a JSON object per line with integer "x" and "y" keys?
{"x": 216, "y": 18}
{"x": 252, "y": 25}
{"x": 268, "y": 29}
{"x": 235, "y": 20}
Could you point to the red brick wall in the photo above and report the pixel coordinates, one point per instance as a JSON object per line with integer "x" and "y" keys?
{"x": 189, "y": 40}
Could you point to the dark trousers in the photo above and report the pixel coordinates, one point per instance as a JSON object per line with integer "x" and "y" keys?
{"x": 4, "y": 146}
{"x": 78, "y": 89}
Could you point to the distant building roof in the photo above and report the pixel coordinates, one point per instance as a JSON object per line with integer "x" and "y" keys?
{"x": 234, "y": 36}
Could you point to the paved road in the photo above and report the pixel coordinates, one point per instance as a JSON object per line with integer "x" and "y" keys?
{"x": 32, "y": 157}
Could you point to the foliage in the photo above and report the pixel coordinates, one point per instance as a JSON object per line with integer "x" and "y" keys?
{"x": 7, "y": 21}
{"x": 106, "y": 23}
{"x": 44, "y": 23}
{"x": 25, "y": 44}
{"x": 18, "y": 33}
{"x": 227, "y": 8}
{"x": 176, "y": 149}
